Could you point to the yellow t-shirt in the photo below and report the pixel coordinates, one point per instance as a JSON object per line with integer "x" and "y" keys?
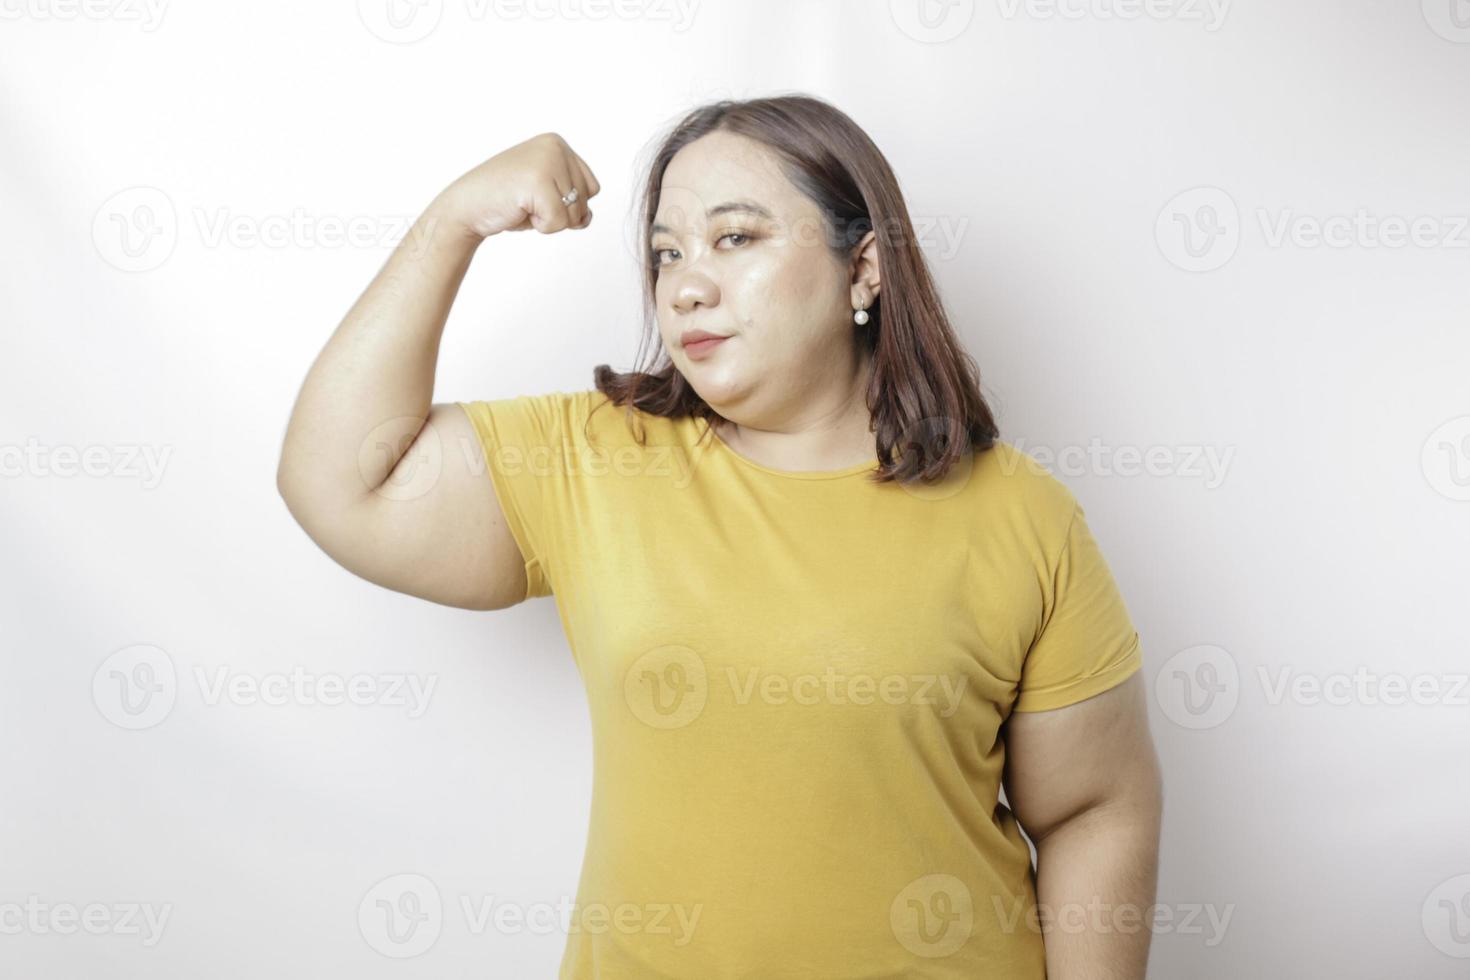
{"x": 797, "y": 682}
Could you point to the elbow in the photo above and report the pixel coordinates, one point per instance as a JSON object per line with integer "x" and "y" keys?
{"x": 292, "y": 492}
{"x": 285, "y": 483}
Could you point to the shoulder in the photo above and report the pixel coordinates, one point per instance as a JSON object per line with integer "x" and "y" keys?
{"x": 565, "y": 410}
{"x": 1014, "y": 486}
{"x": 588, "y": 417}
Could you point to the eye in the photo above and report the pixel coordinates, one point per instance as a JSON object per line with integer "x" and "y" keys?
{"x": 734, "y": 233}
{"x": 656, "y": 255}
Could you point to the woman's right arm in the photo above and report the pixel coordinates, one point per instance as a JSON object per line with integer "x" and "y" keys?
{"x": 374, "y": 472}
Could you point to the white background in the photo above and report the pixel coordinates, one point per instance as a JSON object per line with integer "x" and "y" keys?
{"x": 1047, "y": 148}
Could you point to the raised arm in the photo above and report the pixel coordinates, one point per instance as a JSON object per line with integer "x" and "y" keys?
{"x": 391, "y": 486}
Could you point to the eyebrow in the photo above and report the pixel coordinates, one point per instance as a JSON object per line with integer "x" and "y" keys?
{"x": 747, "y": 207}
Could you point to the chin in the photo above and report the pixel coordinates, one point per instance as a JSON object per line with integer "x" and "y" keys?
{"x": 717, "y": 386}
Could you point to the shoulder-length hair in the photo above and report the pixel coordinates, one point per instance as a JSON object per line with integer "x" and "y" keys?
{"x": 924, "y": 396}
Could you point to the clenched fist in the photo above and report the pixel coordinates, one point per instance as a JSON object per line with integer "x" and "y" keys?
{"x": 523, "y": 187}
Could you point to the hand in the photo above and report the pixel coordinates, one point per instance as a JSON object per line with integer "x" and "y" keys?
{"x": 522, "y": 188}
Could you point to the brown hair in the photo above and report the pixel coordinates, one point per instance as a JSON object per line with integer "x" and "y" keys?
{"x": 924, "y": 395}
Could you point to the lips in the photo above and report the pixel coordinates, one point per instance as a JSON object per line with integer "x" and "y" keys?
{"x": 697, "y": 336}
{"x": 698, "y": 343}
{"x": 697, "y": 349}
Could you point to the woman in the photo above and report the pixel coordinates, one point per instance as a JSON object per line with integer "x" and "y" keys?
{"x": 822, "y": 613}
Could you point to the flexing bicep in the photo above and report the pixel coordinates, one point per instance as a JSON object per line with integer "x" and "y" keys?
{"x": 435, "y": 528}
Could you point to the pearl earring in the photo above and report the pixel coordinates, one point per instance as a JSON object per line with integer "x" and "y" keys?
{"x": 860, "y": 317}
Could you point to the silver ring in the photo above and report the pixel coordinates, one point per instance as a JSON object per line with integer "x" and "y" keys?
{"x": 569, "y": 196}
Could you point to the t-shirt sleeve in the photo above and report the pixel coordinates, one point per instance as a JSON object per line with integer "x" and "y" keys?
{"x": 523, "y": 442}
{"x": 1087, "y": 642}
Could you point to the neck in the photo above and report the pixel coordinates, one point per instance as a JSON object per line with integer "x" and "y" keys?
{"x": 819, "y": 434}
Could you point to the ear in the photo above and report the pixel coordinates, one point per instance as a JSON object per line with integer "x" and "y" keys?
{"x": 866, "y": 276}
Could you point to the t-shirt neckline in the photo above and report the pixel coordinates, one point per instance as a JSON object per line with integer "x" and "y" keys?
{"x": 847, "y": 471}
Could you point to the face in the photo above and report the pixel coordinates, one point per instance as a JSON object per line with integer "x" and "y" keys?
{"x": 742, "y": 254}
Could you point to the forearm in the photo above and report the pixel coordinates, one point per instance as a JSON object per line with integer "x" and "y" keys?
{"x": 1096, "y": 880}
{"x": 377, "y": 366}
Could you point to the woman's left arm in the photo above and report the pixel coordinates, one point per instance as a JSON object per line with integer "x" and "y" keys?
{"x": 1085, "y": 785}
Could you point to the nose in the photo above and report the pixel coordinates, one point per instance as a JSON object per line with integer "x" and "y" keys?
{"x": 692, "y": 290}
